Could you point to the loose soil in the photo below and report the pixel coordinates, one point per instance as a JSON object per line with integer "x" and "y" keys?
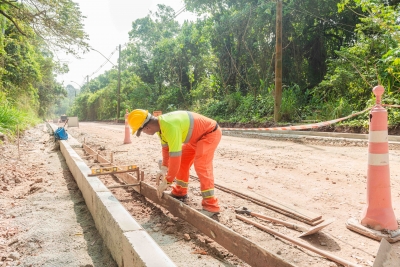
{"x": 43, "y": 217}
{"x": 44, "y": 221}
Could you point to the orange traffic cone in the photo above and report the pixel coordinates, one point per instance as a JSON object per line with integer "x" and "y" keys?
{"x": 378, "y": 214}
{"x": 127, "y": 139}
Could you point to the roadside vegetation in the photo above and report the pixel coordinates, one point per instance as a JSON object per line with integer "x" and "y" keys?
{"x": 334, "y": 53}
{"x": 222, "y": 65}
{"x": 32, "y": 31}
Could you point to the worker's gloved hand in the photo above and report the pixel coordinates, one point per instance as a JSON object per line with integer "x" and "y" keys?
{"x": 162, "y": 187}
{"x": 161, "y": 174}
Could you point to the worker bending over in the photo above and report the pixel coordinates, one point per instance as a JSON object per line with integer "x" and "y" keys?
{"x": 187, "y": 138}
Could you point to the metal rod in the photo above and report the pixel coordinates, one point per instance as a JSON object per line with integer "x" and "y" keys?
{"x": 105, "y": 173}
{"x": 299, "y": 243}
{"x": 125, "y": 185}
{"x": 316, "y": 219}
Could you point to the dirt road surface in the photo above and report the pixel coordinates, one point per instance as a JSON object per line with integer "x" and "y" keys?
{"x": 325, "y": 178}
{"x": 43, "y": 217}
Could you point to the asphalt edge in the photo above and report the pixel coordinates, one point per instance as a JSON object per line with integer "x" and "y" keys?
{"x": 130, "y": 245}
{"x": 360, "y": 140}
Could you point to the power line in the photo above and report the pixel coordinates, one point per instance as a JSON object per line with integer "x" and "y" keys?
{"x": 104, "y": 56}
{"x": 182, "y": 9}
{"x": 102, "y": 65}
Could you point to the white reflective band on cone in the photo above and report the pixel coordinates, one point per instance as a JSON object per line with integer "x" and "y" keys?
{"x": 378, "y": 136}
{"x": 378, "y": 159}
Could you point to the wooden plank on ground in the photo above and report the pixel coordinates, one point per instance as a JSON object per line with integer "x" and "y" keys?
{"x": 286, "y": 209}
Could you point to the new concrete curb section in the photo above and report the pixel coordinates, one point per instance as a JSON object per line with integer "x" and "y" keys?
{"x": 128, "y": 242}
{"x": 285, "y": 133}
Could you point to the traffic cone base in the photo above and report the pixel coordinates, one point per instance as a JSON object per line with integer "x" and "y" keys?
{"x": 372, "y": 219}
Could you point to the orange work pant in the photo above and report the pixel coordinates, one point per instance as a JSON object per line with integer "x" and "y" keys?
{"x": 201, "y": 154}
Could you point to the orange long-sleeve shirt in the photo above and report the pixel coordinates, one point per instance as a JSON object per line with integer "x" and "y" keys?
{"x": 178, "y": 128}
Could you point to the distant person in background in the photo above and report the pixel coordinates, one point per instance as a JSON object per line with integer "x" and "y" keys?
{"x": 187, "y": 138}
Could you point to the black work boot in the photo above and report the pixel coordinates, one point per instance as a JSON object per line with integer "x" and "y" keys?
{"x": 180, "y": 198}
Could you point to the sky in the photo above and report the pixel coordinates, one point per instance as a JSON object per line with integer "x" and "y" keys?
{"x": 107, "y": 23}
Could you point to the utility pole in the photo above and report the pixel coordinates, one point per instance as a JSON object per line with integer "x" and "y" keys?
{"x": 80, "y": 87}
{"x": 278, "y": 62}
{"x": 119, "y": 81}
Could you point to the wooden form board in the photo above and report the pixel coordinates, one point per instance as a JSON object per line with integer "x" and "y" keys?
{"x": 238, "y": 245}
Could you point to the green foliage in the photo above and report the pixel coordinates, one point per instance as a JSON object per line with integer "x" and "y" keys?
{"x": 213, "y": 108}
{"x": 31, "y": 29}
{"x": 206, "y": 88}
{"x": 251, "y": 109}
{"x": 337, "y": 108}
{"x": 393, "y": 112}
{"x": 222, "y": 65}
{"x": 290, "y": 106}
{"x": 170, "y": 100}
{"x": 59, "y": 22}
{"x": 235, "y": 108}
{"x": 81, "y": 108}
{"x": 13, "y": 119}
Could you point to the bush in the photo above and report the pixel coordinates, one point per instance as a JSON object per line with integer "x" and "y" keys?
{"x": 13, "y": 119}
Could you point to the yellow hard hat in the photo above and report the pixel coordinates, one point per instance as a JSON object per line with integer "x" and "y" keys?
{"x": 137, "y": 118}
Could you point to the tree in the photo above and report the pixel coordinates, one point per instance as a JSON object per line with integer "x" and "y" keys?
{"x": 32, "y": 30}
{"x": 57, "y": 22}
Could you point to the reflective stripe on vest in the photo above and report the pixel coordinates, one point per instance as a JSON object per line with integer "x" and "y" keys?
{"x": 207, "y": 193}
{"x": 191, "y": 126}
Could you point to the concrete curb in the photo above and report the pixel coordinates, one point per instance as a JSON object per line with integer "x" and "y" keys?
{"x": 284, "y": 134}
{"x": 129, "y": 244}
{"x": 360, "y": 140}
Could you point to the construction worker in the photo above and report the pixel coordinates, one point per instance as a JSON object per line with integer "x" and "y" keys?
{"x": 187, "y": 138}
